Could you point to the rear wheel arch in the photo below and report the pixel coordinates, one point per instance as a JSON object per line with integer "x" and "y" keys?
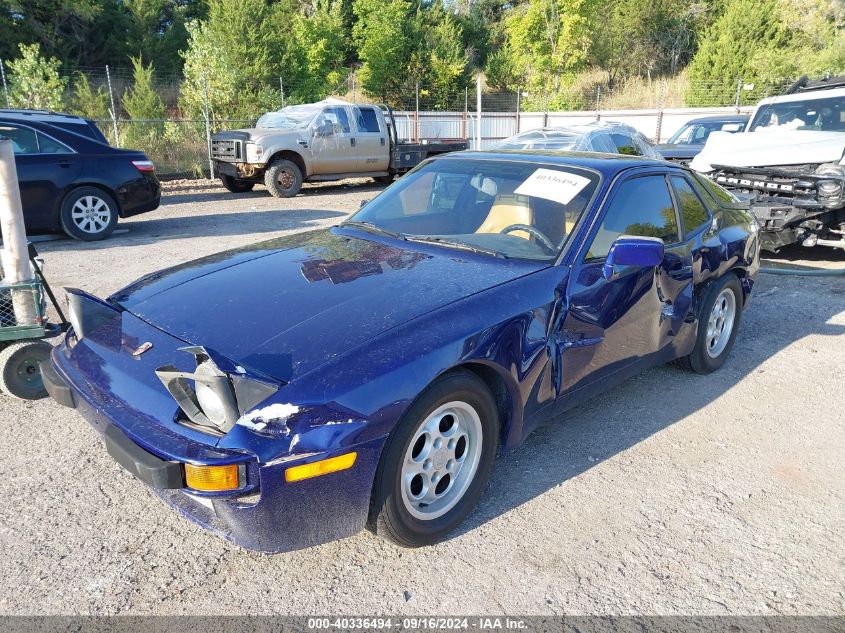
{"x": 97, "y": 185}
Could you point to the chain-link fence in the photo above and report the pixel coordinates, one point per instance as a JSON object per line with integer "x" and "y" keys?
{"x": 480, "y": 114}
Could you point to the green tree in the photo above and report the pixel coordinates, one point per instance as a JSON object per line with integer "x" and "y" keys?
{"x": 158, "y": 31}
{"x": 34, "y": 81}
{"x": 548, "y": 42}
{"x": 88, "y": 102}
{"x": 448, "y": 62}
{"x": 141, "y": 101}
{"x": 383, "y": 44}
{"x": 748, "y": 30}
{"x": 318, "y": 52}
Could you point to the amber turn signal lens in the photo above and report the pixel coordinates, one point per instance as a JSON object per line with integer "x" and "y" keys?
{"x": 212, "y": 478}
{"x": 324, "y": 467}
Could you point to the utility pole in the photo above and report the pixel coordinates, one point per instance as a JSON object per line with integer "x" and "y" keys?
{"x": 478, "y": 112}
{"x": 3, "y": 75}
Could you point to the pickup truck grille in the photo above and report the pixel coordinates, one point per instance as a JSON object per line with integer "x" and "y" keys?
{"x": 228, "y": 150}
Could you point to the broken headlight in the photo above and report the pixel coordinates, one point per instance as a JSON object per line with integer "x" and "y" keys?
{"x": 831, "y": 190}
{"x": 211, "y": 396}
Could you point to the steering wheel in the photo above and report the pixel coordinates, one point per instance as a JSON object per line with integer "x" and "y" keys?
{"x": 536, "y": 233}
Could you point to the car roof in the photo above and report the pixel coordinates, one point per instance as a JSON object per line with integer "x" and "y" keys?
{"x": 607, "y": 164}
{"x": 721, "y": 117}
{"x": 42, "y": 116}
{"x": 807, "y": 95}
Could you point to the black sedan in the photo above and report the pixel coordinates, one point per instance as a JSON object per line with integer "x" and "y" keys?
{"x": 687, "y": 142}
{"x": 71, "y": 179}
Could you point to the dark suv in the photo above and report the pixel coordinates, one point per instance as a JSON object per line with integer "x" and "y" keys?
{"x": 71, "y": 179}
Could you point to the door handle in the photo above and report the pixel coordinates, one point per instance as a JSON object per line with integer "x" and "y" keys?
{"x": 382, "y": 141}
{"x": 353, "y": 141}
{"x": 64, "y": 163}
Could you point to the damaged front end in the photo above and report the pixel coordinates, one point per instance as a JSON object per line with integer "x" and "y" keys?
{"x": 792, "y": 203}
{"x": 219, "y": 441}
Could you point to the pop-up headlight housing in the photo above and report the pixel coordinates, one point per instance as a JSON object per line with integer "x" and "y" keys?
{"x": 216, "y": 393}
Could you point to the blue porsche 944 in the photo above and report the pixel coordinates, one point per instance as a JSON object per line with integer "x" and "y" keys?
{"x": 297, "y": 390}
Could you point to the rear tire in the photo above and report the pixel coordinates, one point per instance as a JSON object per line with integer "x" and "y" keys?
{"x": 283, "y": 179}
{"x": 436, "y": 462}
{"x": 718, "y": 324}
{"x": 88, "y": 214}
{"x": 235, "y": 185}
{"x": 20, "y": 373}
{"x": 384, "y": 180}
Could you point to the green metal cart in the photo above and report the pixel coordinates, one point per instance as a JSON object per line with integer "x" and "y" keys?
{"x": 22, "y": 344}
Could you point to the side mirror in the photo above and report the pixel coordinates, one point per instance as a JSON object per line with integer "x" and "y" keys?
{"x": 363, "y": 203}
{"x": 646, "y": 252}
{"x": 325, "y": 129}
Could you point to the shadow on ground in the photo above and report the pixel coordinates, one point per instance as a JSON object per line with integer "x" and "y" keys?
{"x": 570, "y": 444}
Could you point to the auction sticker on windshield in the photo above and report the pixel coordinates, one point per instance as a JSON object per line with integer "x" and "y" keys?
{"x": 557, "y": 186}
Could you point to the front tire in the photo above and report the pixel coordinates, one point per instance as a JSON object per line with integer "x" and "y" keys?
{"x": 88, "y": 214}
{"x": 283, "y": 179}
{"x": 718, "y": 324}
{"x": 20, "y": 371}
{"x": 436, "y": 463}
{"x": 235, "y": 185}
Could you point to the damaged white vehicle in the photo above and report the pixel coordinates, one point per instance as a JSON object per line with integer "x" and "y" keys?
{"x": 789, "y": 164}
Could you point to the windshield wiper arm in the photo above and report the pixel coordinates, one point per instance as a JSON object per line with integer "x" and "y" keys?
{"x": 457, "y": 245}
{"x": 372, "y": 228}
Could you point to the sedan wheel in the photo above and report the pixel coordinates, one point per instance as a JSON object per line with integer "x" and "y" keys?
{"x": 436, "y": 462}
{"x": 721, "y": 322}
{"x": 88, "y": 214}
{"x": 442, "y": 460}
{"x": 718, "y": 323}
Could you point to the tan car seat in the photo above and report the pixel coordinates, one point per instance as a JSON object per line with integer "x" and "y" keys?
{"x": 507, "y": 209}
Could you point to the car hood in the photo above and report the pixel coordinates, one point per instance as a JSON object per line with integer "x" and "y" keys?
{"x": 770, "y": 148}
{"x": 286, "y": 306}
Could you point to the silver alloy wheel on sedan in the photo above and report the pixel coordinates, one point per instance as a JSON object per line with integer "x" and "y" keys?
{"x": 720, "y": 323}
{"x": 91, "y": 214}
{"x": 441, "y": 460}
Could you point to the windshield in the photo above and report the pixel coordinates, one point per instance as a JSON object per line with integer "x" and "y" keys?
{"x": 697, "y": 133}
{"x": 290, "y": 117}
{"x": 501, "y": 208}
{"x": 823, "y": 115}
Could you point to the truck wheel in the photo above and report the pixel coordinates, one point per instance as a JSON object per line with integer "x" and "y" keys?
{"x": 235, "y": 185}
{"x": 20, "y": 374}
{"x": 283, "y": 179}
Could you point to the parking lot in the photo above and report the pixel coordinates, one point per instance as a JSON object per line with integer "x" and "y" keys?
{"x": 672, "y": 494}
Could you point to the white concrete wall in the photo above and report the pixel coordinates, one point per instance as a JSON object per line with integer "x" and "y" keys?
{"x": 496, "y": 126}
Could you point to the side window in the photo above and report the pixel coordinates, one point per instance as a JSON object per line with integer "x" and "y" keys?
{"x": 693, "y": 212}
{"x": 23, "y": 138}
{"x": 367, "y": 121}
{"x": 338, "y": 119}
{"x": 625, "y": 144}
{"x": 49, "y": 146}
{"x": 641, "y": 207}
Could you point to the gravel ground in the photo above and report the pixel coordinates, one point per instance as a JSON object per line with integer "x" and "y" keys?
{"x": 671, "y": 494}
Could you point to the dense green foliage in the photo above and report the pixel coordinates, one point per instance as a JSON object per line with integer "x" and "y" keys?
{"x": 236, "y": 58}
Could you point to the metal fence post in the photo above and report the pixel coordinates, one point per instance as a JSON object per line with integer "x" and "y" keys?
{"x": 545, "y": 107}
{"x": 464, "y": 130}
{"x": 518, "y": 95}
{"x": 661, "y": 95}
{"x": 738, "y": 94}
{"x": 598, "y": 103}
{"x": 417, "y": 114}
{"x": 478, "y": 112}
{"x": 112, "y": 111}
{"x": 205, "y": 113}
{"x": 282, "y": 90}
{"x": 3, "y": 75}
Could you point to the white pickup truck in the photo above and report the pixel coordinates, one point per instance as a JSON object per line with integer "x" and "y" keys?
{"x": 788, "y": 164}
{"x": 329, "y": 140}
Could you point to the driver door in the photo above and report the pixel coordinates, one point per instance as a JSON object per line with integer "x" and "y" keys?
{"x": 333, "y": 146}
{"x": 610, "y": 328}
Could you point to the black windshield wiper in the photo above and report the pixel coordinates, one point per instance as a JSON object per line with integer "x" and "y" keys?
{"x": 372, "y": 228}
{"x": 453, "y": 244}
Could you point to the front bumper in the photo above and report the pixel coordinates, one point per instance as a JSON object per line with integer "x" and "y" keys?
{"x": 269, "y": 514}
